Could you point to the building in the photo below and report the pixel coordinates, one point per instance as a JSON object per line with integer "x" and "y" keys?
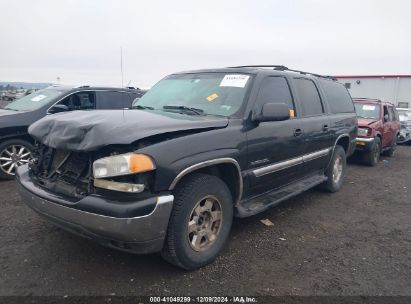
{"x": 391, "y": 88}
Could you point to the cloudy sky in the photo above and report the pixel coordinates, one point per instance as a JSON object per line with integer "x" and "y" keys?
{"x": 80, "y": 41}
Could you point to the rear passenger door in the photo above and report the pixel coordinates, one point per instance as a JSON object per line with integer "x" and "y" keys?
{"x": 389, "y": 127}
{"x": 315, "y": 126}
{"x": 273, "y": 150}
{"x": 112, "y": 100}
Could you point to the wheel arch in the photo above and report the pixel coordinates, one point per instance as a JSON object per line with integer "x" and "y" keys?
{"x": 227, "y": 169}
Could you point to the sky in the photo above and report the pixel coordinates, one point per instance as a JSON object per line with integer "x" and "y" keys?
{"x": 80, "y": 41}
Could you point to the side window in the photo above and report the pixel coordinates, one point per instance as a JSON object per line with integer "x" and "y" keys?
{"x": 338, "y": 98}
{"x": 112, "y": 100}
{"x": 275, "y": 90}
{"x": 391, "y": 112}
{"x": 79, "y": 101}
{"x": 309, "y": 97}
{"x": 387, "y": 114}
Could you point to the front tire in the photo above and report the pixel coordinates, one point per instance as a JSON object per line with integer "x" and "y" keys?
{"x": 200, "y": 222}
{"x": 335, "y": 172}
{"x": 13, "y": 153}
{"x": 372, "y": 157}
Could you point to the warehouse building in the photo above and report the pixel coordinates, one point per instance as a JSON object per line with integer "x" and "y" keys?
{"x": 391, "y": 88}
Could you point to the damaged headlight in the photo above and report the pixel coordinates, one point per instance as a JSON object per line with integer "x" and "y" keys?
{"x": 122, "y": 164}
{"x": 364, "y": 131}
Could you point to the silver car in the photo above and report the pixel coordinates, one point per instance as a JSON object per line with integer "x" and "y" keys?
{"x": 405, "y": 131}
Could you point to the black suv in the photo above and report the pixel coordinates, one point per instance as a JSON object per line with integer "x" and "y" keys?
{"x": 15, "y": 143}
{"x": 200, "y": 148}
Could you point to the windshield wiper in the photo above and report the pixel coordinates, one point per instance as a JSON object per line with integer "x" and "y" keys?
{"x": 185, "y": 109}
{"x": 10, "y": 109}
{"x": 140, "y": 107}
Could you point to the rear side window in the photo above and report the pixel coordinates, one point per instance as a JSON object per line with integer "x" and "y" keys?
{"x": 339, "y": 100}
{"x": 309, "y": 97}
{"x": 112, "y": 100}
{"x": 275, "y": 90}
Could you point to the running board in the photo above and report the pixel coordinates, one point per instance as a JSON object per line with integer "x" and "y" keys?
{"x": 269, "y": 199}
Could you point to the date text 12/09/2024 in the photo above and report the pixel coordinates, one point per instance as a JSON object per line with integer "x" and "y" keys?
{"x": 199, "y": 299}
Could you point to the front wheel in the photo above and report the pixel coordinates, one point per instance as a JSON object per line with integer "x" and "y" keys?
{"x": 372, "y": 157}
{"x": 336, "y": 171}
{"x": 200, "y": 222}
{"x": 13, "y": 153}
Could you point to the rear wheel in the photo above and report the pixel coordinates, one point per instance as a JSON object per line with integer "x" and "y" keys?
{"x": 336, "y": 171}
{"x": 200, "y": 222}
{"x": 372, "y": 157}
{"x": 13, "y": 153}
{"x": 391, "y": 151}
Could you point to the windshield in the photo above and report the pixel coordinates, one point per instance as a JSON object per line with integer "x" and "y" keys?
{"x": 197, "y": 94}
{"x": 367, "y": 110}
{"x": 405, "y": 115}
{"x": 34, "y": 100}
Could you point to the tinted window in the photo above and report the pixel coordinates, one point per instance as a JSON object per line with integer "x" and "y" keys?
{"x": 275, "y": 90}
{"x": 338, "y": 98}
{"x": 112, "y": 100}
{"x": 310, "y": 99}
{"x": 79, "y": 101}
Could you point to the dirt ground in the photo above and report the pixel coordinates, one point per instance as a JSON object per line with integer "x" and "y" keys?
{"x": 354, "y": 242}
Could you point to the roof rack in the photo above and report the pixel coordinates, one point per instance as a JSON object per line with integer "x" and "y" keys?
{"x": 284, "y": 68}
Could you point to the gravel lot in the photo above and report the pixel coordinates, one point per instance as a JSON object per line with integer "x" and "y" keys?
{"x": 354, "y": 242}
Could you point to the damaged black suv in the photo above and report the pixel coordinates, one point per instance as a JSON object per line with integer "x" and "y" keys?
{"x": 198, "y": 149}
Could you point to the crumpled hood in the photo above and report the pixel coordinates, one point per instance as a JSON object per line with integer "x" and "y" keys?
{"x": 363, "y": 122}
{"x": 91, "y": 130}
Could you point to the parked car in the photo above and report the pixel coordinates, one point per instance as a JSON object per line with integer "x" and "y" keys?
{"x": 405, "y": 120}
{"x": 15, "y": 143}
{"x": 200, "y": 148}
{"x": 378, "y": 129}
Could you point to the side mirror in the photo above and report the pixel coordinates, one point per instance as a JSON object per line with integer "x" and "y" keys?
{"x": 58, "y": 108}
{"x": 272, "y": 112}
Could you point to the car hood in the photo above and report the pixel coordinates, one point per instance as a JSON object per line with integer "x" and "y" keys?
{"x": 363, "y": 122}
{"x": 9, "y": 118}
{"x": 4, "y": 113}
{"x": 91, "y": 130}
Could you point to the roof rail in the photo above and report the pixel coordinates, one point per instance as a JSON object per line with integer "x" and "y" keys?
{"x": 276, "y": 67}
{"x": 283, "y": 68}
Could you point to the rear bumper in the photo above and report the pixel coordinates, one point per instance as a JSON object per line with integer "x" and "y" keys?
{"x": 364, "y": 143}
{"x": 140, "y": 234}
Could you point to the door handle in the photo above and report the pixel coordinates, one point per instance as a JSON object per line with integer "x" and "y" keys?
{"x": 325, "y": 127}
{"x": 298, "y": 132}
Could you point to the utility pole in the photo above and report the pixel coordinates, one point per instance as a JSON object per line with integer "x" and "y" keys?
{"x": 121, "y": 66}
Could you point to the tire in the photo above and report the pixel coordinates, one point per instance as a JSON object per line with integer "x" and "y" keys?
{"x": 8, "y": 159}
{"x": 336, "y": 170}
{"x": 180, "y": 247}
{"x": 372, "y": 157}
{"x": 391, "y": 151}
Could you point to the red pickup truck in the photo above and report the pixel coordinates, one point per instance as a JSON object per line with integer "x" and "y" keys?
{"x": 378, "y": 129}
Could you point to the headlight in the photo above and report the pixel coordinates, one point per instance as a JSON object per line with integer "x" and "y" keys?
{"x": 364, "y": 131}
{"x": 122, "y": 164}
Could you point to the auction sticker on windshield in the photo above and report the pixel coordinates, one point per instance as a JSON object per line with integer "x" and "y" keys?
{"x": 38, "y": 98}
{"x": 234, "y": 80}
{"x": 368, "y": 108}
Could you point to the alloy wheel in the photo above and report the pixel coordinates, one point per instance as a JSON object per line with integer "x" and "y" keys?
{"x": 205, "y": 223}
{"x": 337, "y": 169}
{"x": 13, "y": 156}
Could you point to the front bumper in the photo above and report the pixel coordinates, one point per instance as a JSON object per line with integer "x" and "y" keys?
{"x": 364, "y": 143}
{"x": 140, "y": 234}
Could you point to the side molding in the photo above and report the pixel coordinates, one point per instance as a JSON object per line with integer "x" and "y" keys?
{"x": 207, "y": 164}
